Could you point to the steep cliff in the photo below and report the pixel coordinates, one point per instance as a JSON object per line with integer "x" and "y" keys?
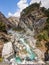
{"x": 32, "y": 18}
{"x": 5, "y": 23}
{"x": 36, "y": 19}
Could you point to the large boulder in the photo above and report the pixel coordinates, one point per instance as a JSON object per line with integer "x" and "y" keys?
{"x": 7, "y": 50}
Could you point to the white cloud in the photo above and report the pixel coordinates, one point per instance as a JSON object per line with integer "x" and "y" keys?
{"x": 16, "y": 14}
{"x": 45, "y": 3}
{"x": 9, "y": 14}
{"x": 21, "y": 5}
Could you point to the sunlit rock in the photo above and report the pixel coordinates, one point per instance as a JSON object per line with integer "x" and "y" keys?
{"x": 7, "y": 50}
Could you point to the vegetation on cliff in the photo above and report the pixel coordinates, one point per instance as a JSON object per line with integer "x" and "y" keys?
{"x": 2, "y": 27}
{"x": 30, "y": 8}
{"x": 46, "y": 11}
{"x": 44, "y": 34}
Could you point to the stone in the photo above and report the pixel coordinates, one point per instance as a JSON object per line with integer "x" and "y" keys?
{"x": 7, "y": 50}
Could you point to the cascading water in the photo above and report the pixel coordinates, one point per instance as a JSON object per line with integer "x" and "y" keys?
{"x": 29, "y": 50}
{"x": 32, "y": 55}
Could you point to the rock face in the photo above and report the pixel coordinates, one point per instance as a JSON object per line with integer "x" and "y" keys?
{"x": 7, "y": 50}
{"x": 14, "y": 21}
{"x": 4, "y": 26}
{"x": 8, "y": 23}
{"x": 35, "y": 19}
{"x": 3, "y": 38}
{"x": 4, "y": 20}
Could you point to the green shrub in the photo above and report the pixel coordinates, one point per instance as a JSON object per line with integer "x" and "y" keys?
{"x": 1, "y": 59}
{"x": 2, "y": 27}
{"x": 43, "y": 35}
{"x": 38, "y": 44}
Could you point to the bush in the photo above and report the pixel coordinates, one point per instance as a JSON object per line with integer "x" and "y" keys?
{"x": 38, "y": 43}
{"x": 1, "y": 59}
{"x": 43, "y": 35}
{"x": 2, "y": 27}
{"x": 47, "y": 26}
{"x": 47, "y": 20}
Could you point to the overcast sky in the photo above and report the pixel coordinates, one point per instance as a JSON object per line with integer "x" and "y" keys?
{"x": 14, "y": 7}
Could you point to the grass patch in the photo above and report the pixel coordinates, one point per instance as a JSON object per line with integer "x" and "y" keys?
{"x": 1, "y": 59}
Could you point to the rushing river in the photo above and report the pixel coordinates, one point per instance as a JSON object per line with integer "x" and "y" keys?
{"x": 29, "y": 50}
{"x": 32, "y": 55}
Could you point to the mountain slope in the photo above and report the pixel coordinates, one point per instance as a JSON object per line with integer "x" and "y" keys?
{"x": 33, "y": 18}
{"x": 14, "y": 20}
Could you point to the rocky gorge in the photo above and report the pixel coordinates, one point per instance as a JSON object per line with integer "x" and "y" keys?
{"x": 20, "y": 36}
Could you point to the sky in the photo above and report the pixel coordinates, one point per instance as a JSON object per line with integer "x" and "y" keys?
{"x": 14, "y": 7}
